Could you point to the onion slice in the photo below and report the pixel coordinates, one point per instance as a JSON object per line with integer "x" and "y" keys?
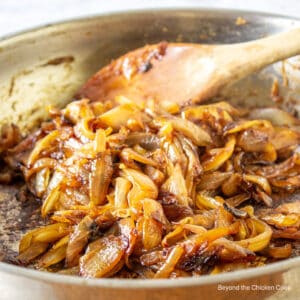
{"x": 260, "y": 241}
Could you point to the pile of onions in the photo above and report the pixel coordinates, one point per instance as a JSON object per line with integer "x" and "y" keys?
{"x": 157, "y": 191}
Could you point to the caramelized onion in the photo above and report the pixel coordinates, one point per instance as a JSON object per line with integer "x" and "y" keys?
{"x": 280, "y": 252}
{"x": 119, "y": 116}
{"x": 284, "y": 137}
{"x": 35, "y": 242}
{"x": 142, "y": 187}
{"x": 277, "y": 169}
{"x": 212, "y": 181}
{"x": 42, "y": 144}
{"x": 260, "y": 241}
{"x": 243, "y": 125}
{"x": 152, "y": 190}
{"x": 262, "y": 182}
{"x": 56, "y": 254}
{"x": 146, "y": 140}
{"x": 219, "y": 156}
{"x": 100, "y": 178}
{"x": 170, "y": 263}
{"x": 280, "y": 220}
{"x": 127, "y": 155}
{"x": 276, "y": 116}
{"x": 175, "y": 185}
{"x": 103, "y": 258}
{"x": 198, "y": 135}
{"x": 78, "y": 240}
{"x": 122, "y": 188}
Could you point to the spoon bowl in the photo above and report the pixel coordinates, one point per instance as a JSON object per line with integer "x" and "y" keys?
{"x": 187, "y": 73}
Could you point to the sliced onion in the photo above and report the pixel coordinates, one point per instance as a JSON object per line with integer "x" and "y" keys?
{"x": 36, "y": 242}
{"x": 35, "y": 250}
{"x": 232, "y": 251}
{"x": 151, "y": 258}
{"x": 205, "y": 219}
{"x": 170, "y": 263}
{"x": 153, "y": 209}
{"x": 83, "y": 129}
{"x": 205, "y": 201}
{"x": 176, "y": 185}
{"x": 194, "y": 168}
{"x": 77, "y": 110}
{"x": 103, "y": 258}
{"x": 212, "y": 181}
{"x": 177, "y": 233}
{"x": 220, "y": 155}
{"x": 194, "y": 228}
{"x": 172, "y": 209}
{"x": 238, "y": 199}
{"x": 283, "y": 138}
{"x": 232, "y": 186}
{"x": 44, "y": 143}
{"x": 40, "y": 164}
{"x": 51, "y": 233}
{"x": 129, "y": 232}
{"x": 276, "y": 116}
{"x": 280, "y": 220}
{"x": 78, "y": 241}
{"x": 260, "y": 241}
{"x": 262, "y": 182}
{"x": 289, "y": 208}
{"x": 279, "y": 252}
{"x": 277, "y": 169}
{"x": 146, "y": 140}
{"x": 122, "y": 188}
{"x": 292, "y": 233}
{"x": 238, "y": 213}
{"x": 243, "y": 125}
{"x": 42, "y": 181}
{"x": 260, "y": 195}
{"x": 220, "y": 111}
{"x": 289, "y": 183}
{"x": 50, "y": 201}
{"x": 258, "y": 140}
{"x": 198, "y": 135}
{"x": 56, "y": 254}
{"x": 174, "y": 236}
{"x": 128, "y": 155}
{"x": 253, "y": 140}
{"x": 119, "y": 116}
{"x": 223, "y": 217}
{"x": 100, "y": 141}
{"x": 156, "y": 175}
{"x": 142, "y": 187}
{"x": 152, "y": 233}
{"x": 152, "y": 181}
{"x": 100, "y": 178}
{"x": 209, "y": 236}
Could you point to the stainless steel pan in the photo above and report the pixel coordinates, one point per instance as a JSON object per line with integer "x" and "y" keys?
{"x": 47, "y": 65}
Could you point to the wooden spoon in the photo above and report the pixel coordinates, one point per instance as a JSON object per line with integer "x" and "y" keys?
{"x": 187, "y": 73}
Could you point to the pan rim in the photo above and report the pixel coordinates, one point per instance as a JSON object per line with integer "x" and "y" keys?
{"x": 133, "y": 284}
{"x": 10, "y": 37}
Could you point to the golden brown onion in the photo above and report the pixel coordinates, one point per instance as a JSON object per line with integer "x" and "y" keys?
{"x": 103, "y": 258}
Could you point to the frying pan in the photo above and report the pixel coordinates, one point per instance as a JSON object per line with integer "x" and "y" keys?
{"x": 47, "y": 66}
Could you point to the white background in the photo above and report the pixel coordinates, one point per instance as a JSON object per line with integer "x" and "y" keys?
{"x": 16, "y": 15}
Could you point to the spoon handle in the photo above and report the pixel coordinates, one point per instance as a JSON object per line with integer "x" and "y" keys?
{"x": 257, "y": 54}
